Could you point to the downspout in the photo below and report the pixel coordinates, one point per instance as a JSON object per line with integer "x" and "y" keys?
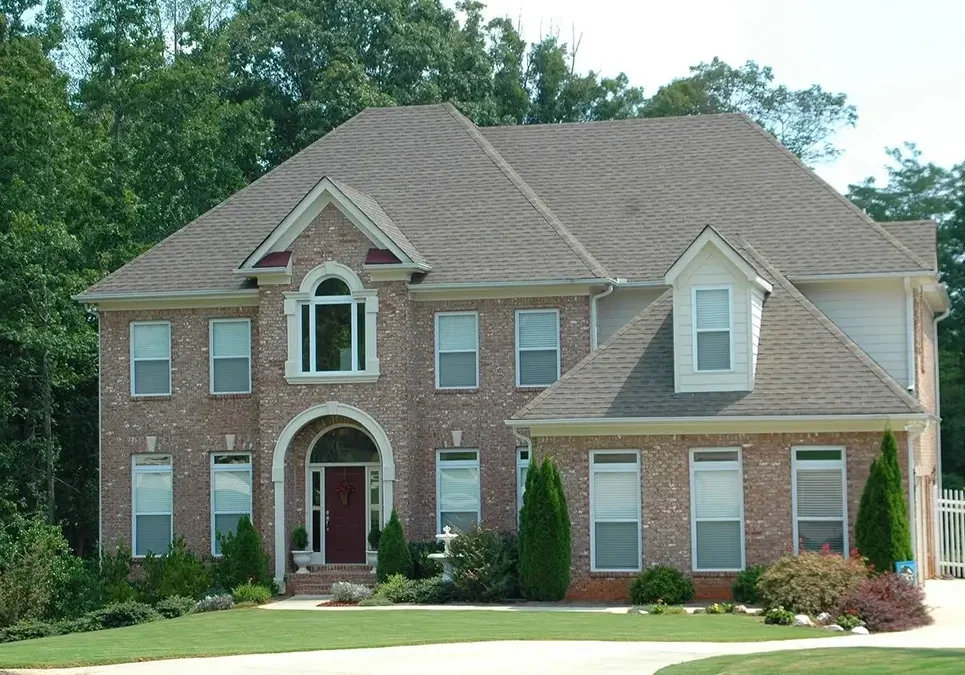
{"x": 936, "y": 519}
{"x": 526, "y": 440}
{"x": 910, "y": 333}
{"x": 912, "y": 432}
{"x": 594, "y": 329}
{"x": 100, "y": 443}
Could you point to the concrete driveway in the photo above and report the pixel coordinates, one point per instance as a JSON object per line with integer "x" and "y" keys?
{"x": 613, "y": 658}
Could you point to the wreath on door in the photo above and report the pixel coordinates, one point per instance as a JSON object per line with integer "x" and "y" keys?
{"x": 344, "y": 489}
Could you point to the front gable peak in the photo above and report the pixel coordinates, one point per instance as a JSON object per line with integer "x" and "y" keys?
{"x": 361, "y": 209}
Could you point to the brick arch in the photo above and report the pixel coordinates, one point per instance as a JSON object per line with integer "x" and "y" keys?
{"x": 331, "y": 408}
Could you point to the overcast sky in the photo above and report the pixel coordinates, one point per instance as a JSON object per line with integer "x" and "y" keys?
{"x": 902, "y": 63}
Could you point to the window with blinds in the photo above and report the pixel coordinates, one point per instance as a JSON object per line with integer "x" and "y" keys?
{"x": 717, "y": 510}
{"x": 712, "y": 334}
{"x": 522, "y": 468}
{"x": 615, "y": 511}
{"x": 457, "y": 350}
{"x": 820, "y": 499}
{"x": 150, "y": 358}
{"x": 457, "y": 489}
{"x": 153, "y": 507}
{"x": 230, "y": 495}
{"x": 537, "y": 347}
{"x": 230, "y": 345}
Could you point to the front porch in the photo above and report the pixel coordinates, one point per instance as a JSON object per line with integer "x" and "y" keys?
{"x": 320, "y": 578}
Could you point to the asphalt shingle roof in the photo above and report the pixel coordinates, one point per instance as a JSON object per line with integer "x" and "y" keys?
{"x": 533, "y": 203}
{"x": 806, "y": 366}
{"x": 920, "y": 236}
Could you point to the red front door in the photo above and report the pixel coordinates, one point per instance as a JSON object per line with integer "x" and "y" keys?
{"x": 345, "y": 508}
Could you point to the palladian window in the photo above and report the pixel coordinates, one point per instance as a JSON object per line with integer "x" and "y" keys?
{"x": 332, "y": 329}
{"x": 332, "y": 326}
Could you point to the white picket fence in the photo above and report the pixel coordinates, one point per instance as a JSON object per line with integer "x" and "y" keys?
{"x": 951, "y": 512}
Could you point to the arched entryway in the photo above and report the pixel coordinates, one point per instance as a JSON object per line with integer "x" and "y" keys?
{"x": 343, "y": 493}
{"x": 350, "y": 417}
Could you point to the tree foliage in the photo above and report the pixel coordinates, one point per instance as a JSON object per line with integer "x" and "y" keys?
{"x": 544, "y": 535}
{"x": 881, "y": 531}
{"x": 394, "y": 555}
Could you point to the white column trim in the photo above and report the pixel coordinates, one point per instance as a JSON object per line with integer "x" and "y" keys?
{"x": 282, "y": 445}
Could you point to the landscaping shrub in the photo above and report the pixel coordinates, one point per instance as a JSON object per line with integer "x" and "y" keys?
{"x": 174, "y": 606}
{"x": 745, "y": 586}
{"x": 661, "y": 583}
{"x": 343, "y": 591}
{"x": 662, "y": 608}
{"x": 424, "y": 567}
{"x": 213, "y": 603}
{"x": 848, "y": 621}
{"x": 810, "y": 583}
{"x": 881, "y": 531}
{"x": 720, "y": 608}
{"x": 544, "y": 535}
{"x": 375, "y": 601}
{"x": 779, "y": 616}
{"x": 177, "y": 572}
{"x": 394, "y": 556}
{"x": 120, "y": 614}
{"x": 886, "y": 603}
{"x": 480, "y": 566}
{"x": 257, "y": 594}
{"x": 401, "y": 591}
{"x": 35, "y": 566}
{"x": 28, "y": 630}
{"x": 242, "y": 559}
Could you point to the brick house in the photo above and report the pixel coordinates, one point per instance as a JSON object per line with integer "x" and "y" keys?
{"x": 706, "y": 337}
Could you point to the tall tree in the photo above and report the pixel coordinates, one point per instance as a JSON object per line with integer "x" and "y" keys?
{"x": 804, "y": 120}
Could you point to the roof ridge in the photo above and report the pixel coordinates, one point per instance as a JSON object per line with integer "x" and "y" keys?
{"x": 528, "y": 193}
{"x": 832, "y": 328}
{"x": 667, "y": 119}
{"x": 592, "y": 356}
{"x": 887, "y": 236}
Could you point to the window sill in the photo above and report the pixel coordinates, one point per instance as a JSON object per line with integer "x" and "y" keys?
{"x": 360, "y": 377}
{"x": 229, "y": 397}
{"x": 151, "y": 397}
{"x": 533, "y": 387}
{"x": 455, "y": 390}
{"x": 614, "y": 573}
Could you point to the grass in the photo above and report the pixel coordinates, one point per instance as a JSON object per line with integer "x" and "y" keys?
{"x": 254, "y": 631}
{"x": 857, "y": 661}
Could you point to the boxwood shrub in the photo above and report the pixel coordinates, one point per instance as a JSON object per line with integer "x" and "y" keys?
{"x": 661, "y": 583}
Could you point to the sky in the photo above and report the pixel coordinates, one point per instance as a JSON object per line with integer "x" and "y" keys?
{"x": 901, "y": 63}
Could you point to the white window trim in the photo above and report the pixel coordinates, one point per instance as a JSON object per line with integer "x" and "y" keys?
{"x": 168, "y": 359}
{"x": 457, "y": 351}
{"x": 215, "y": 468}
{"x": 294, "y": 300}
{"x": 723, "y": 465}
{"x": 820, "y": 464}
{"x": 212, "y": 358}
{"x": 556, "y": 312}
{"x": 730, "y": 329}
{"x": 149, "y": 468}
{"x": 615, "y": 468}
{"x": 456, "y": 464}
{"x": 520, "y": 465}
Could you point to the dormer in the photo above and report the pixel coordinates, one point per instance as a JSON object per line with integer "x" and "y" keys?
{"x": 718, "y": 302}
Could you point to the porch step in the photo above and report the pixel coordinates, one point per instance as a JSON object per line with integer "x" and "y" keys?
{"x": 320, "y": 578}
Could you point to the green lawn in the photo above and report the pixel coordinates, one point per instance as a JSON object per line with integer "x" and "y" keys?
{"x": 250, "y": 631}
{"x": 860, "y": 660}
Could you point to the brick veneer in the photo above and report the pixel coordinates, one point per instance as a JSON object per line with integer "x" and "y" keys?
{"x": 665, "y": 490}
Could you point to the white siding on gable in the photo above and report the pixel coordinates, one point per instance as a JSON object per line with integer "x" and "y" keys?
{"x": 616, "y": 309}
{"x": 711, "y": 268}
{"x": 757, "y": 313}
{"x": 870, "y": 312}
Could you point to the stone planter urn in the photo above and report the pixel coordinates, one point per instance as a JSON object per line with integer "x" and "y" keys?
{"x": 372, "y": 558}
{"x": 302, "y": 560}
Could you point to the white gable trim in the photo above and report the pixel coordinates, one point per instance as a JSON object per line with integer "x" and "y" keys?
{"x": 324, "y": 193}
{"x": 710, "y": 237}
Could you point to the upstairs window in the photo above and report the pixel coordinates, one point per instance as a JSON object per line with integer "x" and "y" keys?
{"x": 151, "y": 358}
{"x": 537, "y": 347}
{"x": 712, "y": 329}
{"x": 230, "y": 356}
{"x": 457, "y": 350}
{"x": 332, "y": 329}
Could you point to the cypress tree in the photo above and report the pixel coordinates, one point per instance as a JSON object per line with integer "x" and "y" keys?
{"x": 882, "y": 532}
{"x": 394, "y": 554}
{"x": 544, "y": 539}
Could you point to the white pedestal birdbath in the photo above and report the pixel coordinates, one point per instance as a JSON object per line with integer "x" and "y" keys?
{"x": 445, "y": 557}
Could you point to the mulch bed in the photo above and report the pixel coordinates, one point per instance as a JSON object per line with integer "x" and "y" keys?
{"x": 334, "y": 603}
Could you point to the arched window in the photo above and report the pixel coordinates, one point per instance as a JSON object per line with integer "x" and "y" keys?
{"x": 344, "y": 445}
{"x": 332, "y": 329}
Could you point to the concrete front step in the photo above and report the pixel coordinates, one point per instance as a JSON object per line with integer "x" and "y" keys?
{"x": 320, "y": 578}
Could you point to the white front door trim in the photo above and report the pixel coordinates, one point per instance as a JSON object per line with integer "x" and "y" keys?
{"x": 282, "y": 445}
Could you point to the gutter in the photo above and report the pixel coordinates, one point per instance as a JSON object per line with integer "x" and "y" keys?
{"x": 528, "y": 441}
{"x": 575, "y": 421}
{"x": 594, "y": 328}
{"x": 473, "y": 285}
{"x": 166, "y": 295}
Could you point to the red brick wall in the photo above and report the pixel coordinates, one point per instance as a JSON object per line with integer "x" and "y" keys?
{"x": 665, "y": 490}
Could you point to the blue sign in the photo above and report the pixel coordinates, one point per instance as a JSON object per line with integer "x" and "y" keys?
{"x": 908, "y": 570}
